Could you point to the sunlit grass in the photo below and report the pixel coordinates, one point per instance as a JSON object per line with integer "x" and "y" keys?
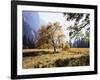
{"x": 47, "y": 58}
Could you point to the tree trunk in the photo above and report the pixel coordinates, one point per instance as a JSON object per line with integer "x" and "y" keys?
{"x": 54, "y": 49}
{"x": 70, "y": 43}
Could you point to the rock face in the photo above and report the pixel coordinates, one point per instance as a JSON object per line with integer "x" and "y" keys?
{"x": 31, "y": 24}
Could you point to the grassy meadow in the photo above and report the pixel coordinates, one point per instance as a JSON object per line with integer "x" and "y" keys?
{"x": 46, "y": 58}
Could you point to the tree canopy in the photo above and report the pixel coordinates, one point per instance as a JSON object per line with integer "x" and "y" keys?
{"x": 51, "y": 35}
{"x": 81, "y": 20}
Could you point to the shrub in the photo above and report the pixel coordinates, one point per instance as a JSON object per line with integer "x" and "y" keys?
{"x": 61, "y": 62}
{"x": 65, "y": 47}
{"x": 80, "y": 61}
{"x": 84, "y": 60}
{"x": 74, "y": 62}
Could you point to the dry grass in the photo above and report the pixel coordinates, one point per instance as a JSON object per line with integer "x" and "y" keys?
{"x": 79, "y": 50}
{"x": 47, "y": 58}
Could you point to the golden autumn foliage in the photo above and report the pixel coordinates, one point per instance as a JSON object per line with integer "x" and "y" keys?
{"x": 50, "y": 36}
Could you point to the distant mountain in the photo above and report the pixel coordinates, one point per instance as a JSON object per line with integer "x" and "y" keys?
{"x": 31, "y": 24}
